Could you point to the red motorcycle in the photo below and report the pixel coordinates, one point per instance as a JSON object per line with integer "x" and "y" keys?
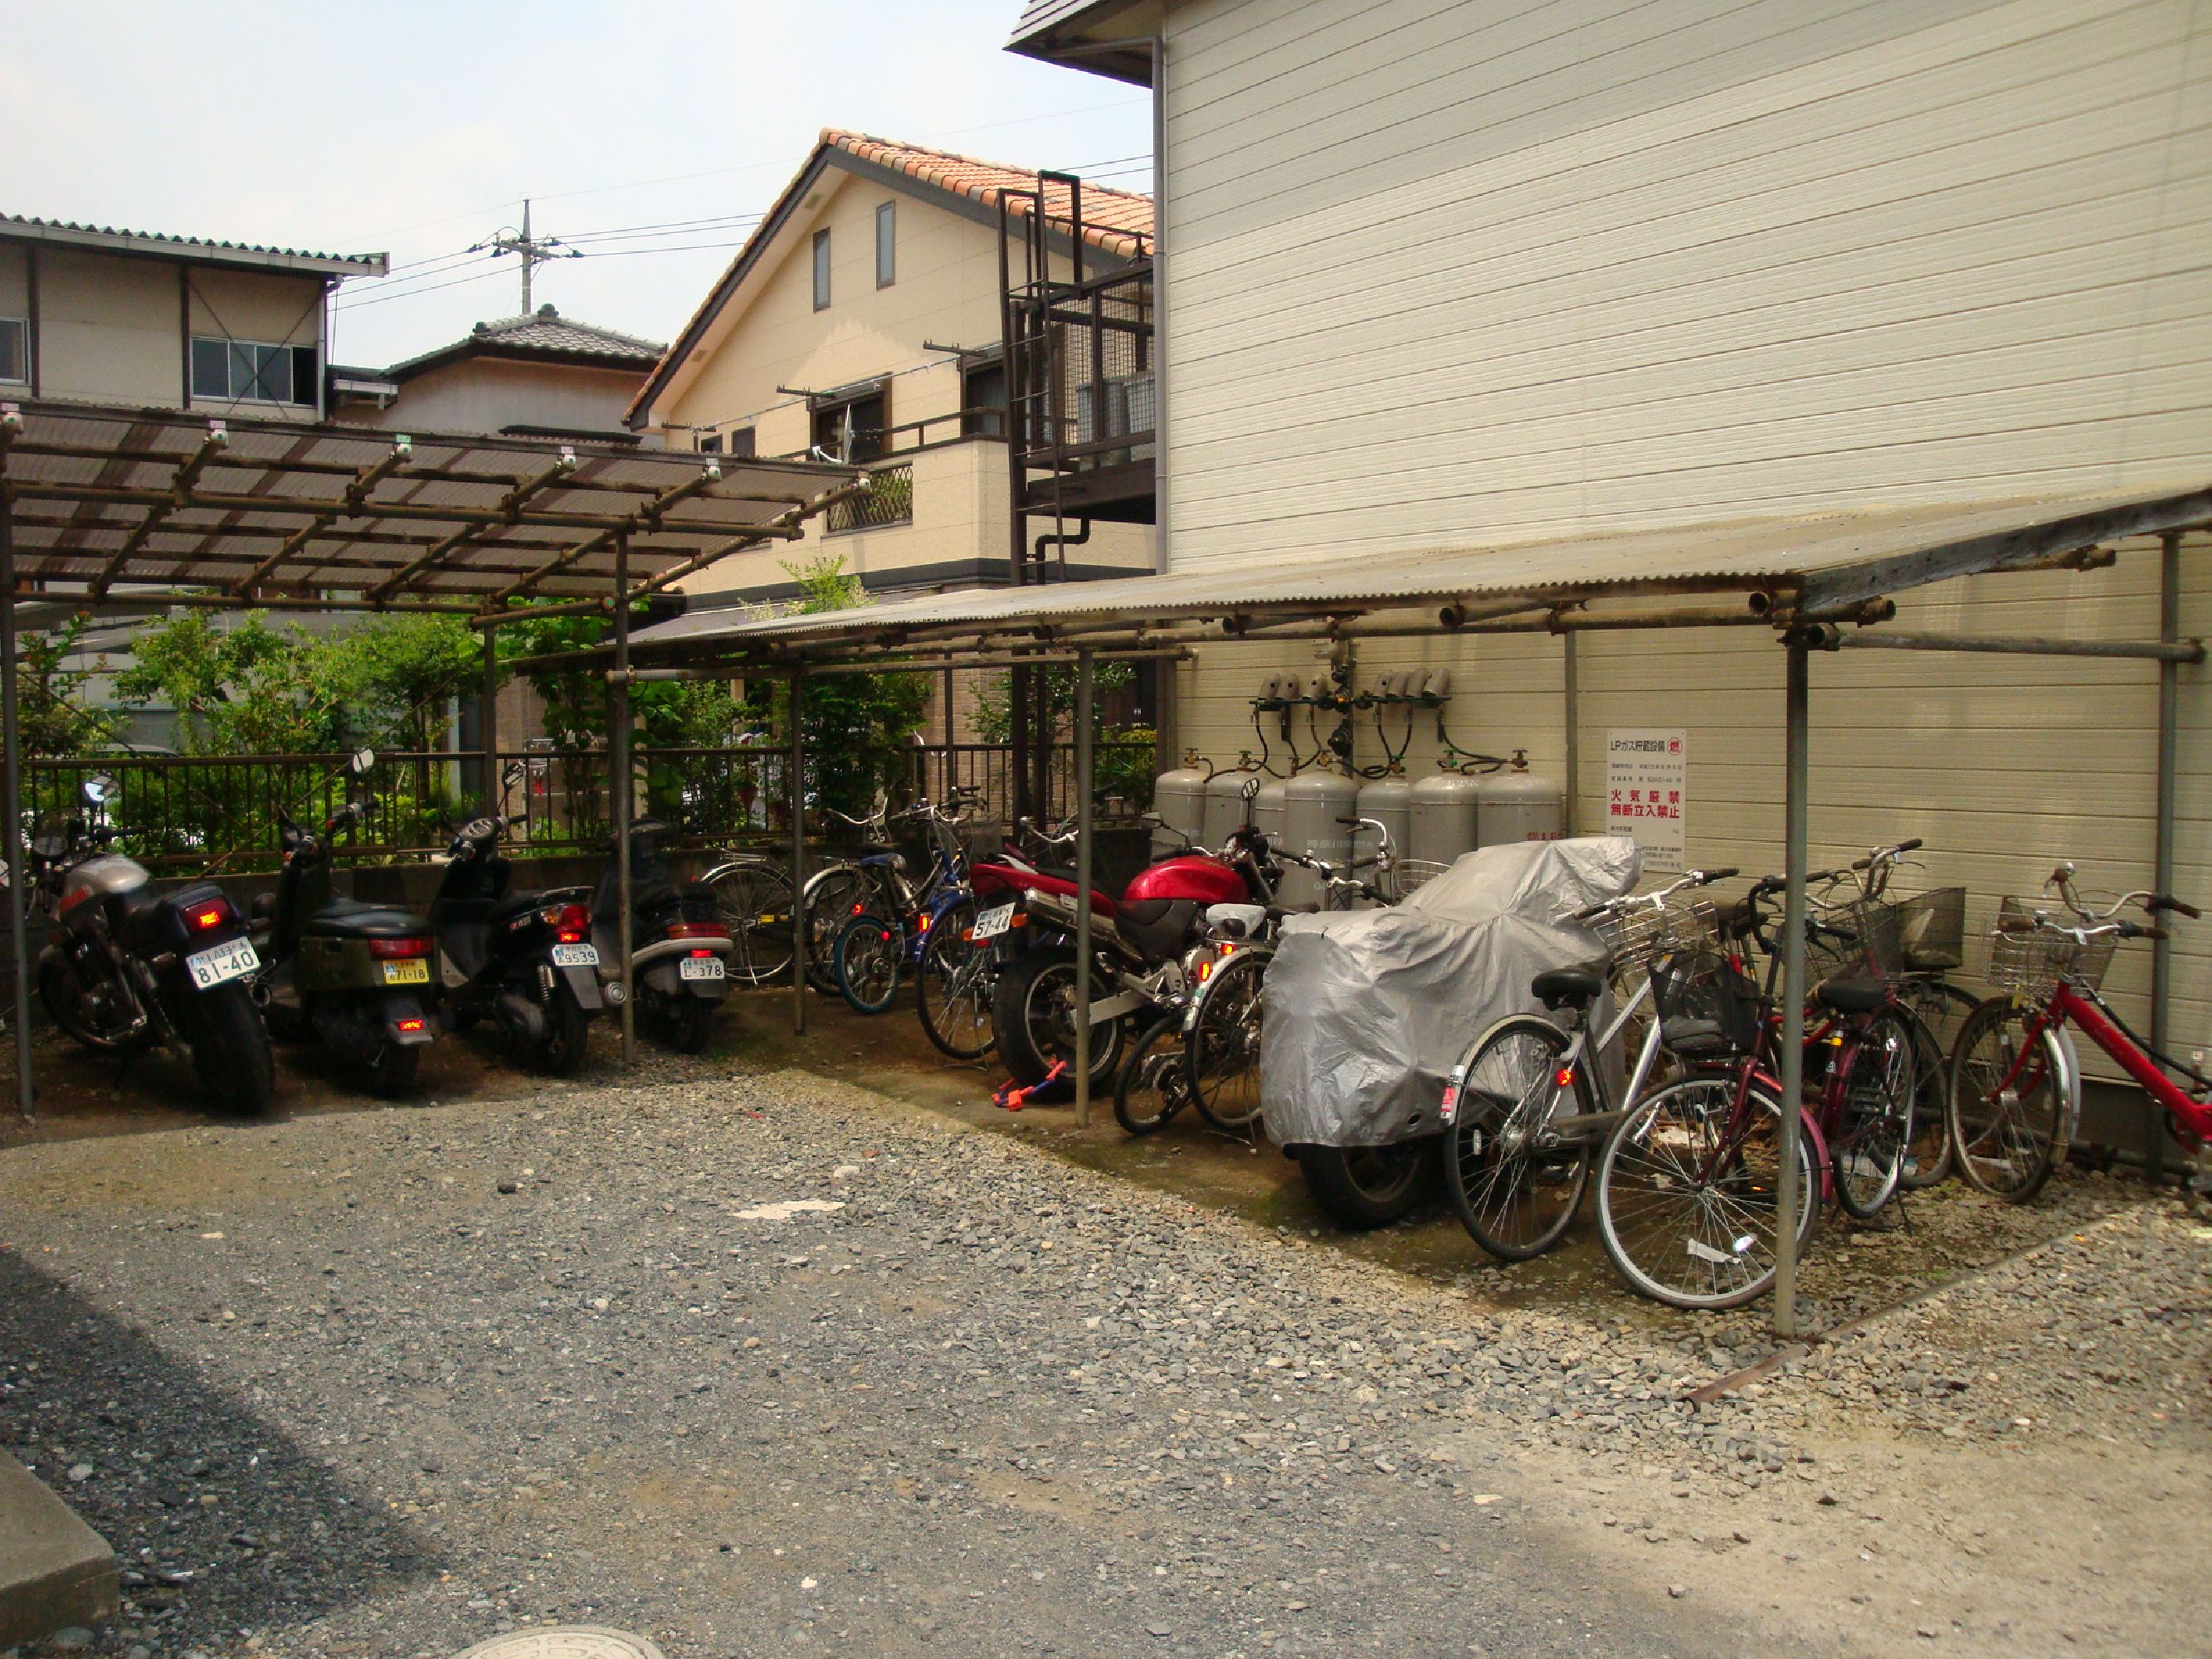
{"x": 1147, "y": 947}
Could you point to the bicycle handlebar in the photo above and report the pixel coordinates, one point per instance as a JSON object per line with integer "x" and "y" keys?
{"x": 2167, "y": 902}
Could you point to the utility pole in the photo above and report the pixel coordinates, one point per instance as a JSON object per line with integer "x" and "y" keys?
{"x": 533, "y": 251}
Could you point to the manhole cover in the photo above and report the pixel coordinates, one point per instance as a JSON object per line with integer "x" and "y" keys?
{"x": 564, "y": 1642}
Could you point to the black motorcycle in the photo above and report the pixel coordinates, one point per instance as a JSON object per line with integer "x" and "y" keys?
{"x": 526, "y": 961}
{"x": 680, "y": 943}
{"x": 129, "y": 968}
{"x": 351, "y": 976}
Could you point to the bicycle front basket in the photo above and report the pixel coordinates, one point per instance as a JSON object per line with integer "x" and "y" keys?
{"x": 1874, "y": 946}
{"x": 2030, "y": 962}
{"x": 1637, "y": 936}
{"x": 1932, "y": 929}
{"x": 1707, "y": 1005}
{"x": 1409, "y": 874}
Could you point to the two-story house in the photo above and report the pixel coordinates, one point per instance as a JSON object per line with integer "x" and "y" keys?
{"x": 864, "y": 320}
{"x": 177, "y": 322}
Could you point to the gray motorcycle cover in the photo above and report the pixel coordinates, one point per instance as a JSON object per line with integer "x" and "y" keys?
{"x": 1366, "y": 1011}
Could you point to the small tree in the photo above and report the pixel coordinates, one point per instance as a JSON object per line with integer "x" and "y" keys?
{"x": 51, "y": 716}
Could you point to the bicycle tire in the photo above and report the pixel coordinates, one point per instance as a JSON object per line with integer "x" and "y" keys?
{"x": 868, "y": 953}
{"x": 1515, "y": 1201}
{"x": 1154, "y": 1083}
{"x": 754, "y": 897}
{"x": 1639, "y": 1238}
{"x": 1223, "y": 1046}
{"x": 2004, "y": 1138}
{"x": 954, "y": 984}
{"x": 833, "y": 896}
{"x": 1866, "y": 1151}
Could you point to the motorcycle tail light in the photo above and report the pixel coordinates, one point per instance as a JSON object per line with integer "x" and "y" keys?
{"x": 572, "y": 921}
{"x": 410, "y": 1026}
{"x": 698, "y": 930}
{"x": 703, "y": 953}
{"x": 209, "y": 917}
{"x": 391, "y": 950}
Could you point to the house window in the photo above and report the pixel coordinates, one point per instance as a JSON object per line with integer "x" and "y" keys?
{"x": 741, "y": 443}
{"x": 822, "y": 270}
{"x": 235, "y": 371}
{"x": 853, "y": 428}
{"x": 710, "y": 443}
{"x": 886, "y": 246}
{"x": 15, "y": 350}
{"x": 983, "y": 401}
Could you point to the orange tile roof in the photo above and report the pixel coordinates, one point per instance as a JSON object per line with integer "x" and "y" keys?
{"x": 1112, "y": 219}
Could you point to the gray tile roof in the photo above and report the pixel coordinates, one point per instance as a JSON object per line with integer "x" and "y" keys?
{"x": 26, "y": 227}
{"x": 542, "y": 333}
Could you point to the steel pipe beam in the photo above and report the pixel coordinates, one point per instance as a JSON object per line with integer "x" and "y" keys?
{"x": 2170, "y": 651}
{"x": 1797, "y": 788}
{"x": 1085, "y": 837}
{"x": 11, "y": 806}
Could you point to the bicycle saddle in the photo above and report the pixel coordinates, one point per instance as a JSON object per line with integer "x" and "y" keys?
{"x": 1853, "y": 996}
{"x": 1568, "y": 987}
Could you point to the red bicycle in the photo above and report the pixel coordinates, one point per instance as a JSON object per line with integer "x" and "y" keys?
{"x": 2016, "y": 1084}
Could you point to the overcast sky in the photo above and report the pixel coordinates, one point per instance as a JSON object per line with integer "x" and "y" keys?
{"x": 415, "y": 128}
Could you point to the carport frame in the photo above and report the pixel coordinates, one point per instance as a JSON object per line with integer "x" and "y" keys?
{"x": 643, "y": 520}
{"x": 1808, "y": 612}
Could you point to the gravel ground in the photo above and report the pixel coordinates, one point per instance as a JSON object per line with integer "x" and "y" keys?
{"x": 387, "y": 1382}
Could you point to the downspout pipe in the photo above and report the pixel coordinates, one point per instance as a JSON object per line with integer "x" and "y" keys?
{"x": 1063, "y": 540}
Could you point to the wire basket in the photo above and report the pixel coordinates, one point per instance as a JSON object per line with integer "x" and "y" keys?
{"x": 1873, "y": 942}
{"x": 2030, "y": 962}
{"x": 1409, "y": 874}
{"x": 1932, "y": 930}
{"x": 1707, "y": 1005}
{"x": 1636, "y": 936}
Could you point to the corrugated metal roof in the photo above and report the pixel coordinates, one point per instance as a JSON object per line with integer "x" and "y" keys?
{"x": 111, "y": 494}
{"x": 1874, "y": 551}
{"x": 22, "y": 227}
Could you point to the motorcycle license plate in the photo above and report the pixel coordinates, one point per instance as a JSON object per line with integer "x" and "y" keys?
{"x": 699, "y": 968}
{"x": 220, "y": 962}
{"x": 575, "y": 955}
{"x": 990, "y": 923}
{"x": 417, "y": 972}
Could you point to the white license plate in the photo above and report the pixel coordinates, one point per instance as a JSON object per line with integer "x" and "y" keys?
{"x": 218, "y": 962}
{"x": 990, "y": 923}
{"x": 699, "y": 968}
{"x": 575, "y": 955}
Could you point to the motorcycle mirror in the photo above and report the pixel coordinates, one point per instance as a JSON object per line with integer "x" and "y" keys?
{"x": 361, "y": 762}
{"x": 1251, "y": 788}
{"x": 512, "y": 772}
{"x": 98, "y": 789}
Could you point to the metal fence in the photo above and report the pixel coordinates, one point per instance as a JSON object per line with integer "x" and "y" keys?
{"x": 185, "y": 814}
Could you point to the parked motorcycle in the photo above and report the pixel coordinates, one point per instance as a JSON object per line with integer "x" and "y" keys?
{"x": 352, "y": 977}
{"x": 526, "y": 960}
{"x": 680, "y": 943}
{"x": 129, "y": 968}
{"x": 1148, "y": 946}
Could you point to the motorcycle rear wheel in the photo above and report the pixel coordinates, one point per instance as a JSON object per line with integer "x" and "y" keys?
{"x": 64, "y": 1001}
{"x": 561, "y": 1051}
{"x": 1033, "y": 1014}
{"x": 231, "y": 1051}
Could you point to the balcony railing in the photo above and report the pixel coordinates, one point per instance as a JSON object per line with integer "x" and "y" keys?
{"x": 889, "y": 501}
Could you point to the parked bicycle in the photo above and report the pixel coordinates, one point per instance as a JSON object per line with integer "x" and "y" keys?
{"x": 1529, "y": 1102}
{"x": 928, "y": 926}
{"x": 2015, "y": 1083}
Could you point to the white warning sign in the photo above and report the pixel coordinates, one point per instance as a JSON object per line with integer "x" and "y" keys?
{"x": 1646, "y": 793}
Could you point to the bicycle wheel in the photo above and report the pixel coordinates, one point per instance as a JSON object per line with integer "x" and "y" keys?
{"x": 1155, "y": 1082}
{"x": 755, "y": 897}
{"x": 1688, "y": 1199}
{"x": 1514, "y": 1195}
{"x": 867, "y": 963}
{"x": 954, "y": 983}
{"x": 2007, "y": 1102}
{"x": 1223, "y": 1043}
{"x": 1874, "y": 1124}
{"x": 833, "y": 897}
{"x": 1928, "y": 1154}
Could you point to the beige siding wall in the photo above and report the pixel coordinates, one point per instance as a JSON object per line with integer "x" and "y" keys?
{"x": 2004, "y": 764}
{"x": 109, "y": 329}
{"x": 486, "y": 395}
{"x": 1493, "y": 270}
{"x": 1447, "y": 274}
{"x": 947, "y": 291}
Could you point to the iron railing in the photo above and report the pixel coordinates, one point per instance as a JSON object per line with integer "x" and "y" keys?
{"x": 187, "y": 814}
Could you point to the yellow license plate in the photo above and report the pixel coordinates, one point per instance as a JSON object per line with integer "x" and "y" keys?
{"x": 417, "y": 972}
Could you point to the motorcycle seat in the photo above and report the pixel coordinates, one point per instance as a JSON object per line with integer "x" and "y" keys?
{"x": 354, "y": 918}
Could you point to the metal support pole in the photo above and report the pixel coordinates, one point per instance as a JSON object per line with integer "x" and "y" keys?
{"x": 495, "y": 792}
{"x": 795, "y": 789}
{"x": 1084, "y": 677}
{"x": 624, "y": 786}
{"x": 1798, "y": 767}
{"x": 1569, "y": 653}
{"x": 2169, "y": 718}
{"x": 19, "y": 938}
